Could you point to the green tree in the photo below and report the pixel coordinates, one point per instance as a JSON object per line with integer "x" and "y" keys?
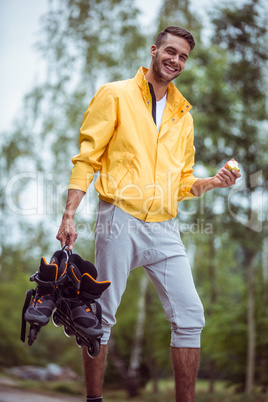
{"x": 242, "y": 31}
{"x": 226, "y": 85}
{"x": 84, "y": 44}
{"x": 230, "y": 122}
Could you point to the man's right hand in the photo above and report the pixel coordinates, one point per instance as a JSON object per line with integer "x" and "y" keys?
{"x": 67, "y": 233}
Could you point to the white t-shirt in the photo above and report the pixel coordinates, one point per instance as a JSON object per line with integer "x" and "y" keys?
{"x": 160, "y": 106}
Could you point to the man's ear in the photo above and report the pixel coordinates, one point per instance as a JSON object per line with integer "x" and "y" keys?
{"x": 153, "y": 50}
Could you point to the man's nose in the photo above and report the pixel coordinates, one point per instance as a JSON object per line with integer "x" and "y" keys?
{"x": 175, "y": 59}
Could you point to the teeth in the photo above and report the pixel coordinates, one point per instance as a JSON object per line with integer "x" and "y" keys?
{"x": 170, "y": 68}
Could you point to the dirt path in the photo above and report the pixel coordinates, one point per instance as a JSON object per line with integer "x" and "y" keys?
{"x": 8, "y": 394}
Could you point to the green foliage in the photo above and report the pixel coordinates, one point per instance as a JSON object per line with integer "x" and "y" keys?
{"x": 51, "y": 345}
{"x": 243, "y": 31}
{"x": 84, "y": 44}
{"x": 13, "y": 285}
{"x": 177, "y": 13}
{"x": 88, "y": 43}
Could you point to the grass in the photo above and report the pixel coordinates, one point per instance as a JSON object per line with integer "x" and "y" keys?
{"x": 70, "y": 388}
{"x": 165, "y": 391}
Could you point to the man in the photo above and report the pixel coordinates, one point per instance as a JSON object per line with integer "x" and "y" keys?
{"x": 138, "y": 134}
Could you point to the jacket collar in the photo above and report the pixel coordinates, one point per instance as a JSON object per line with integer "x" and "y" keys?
{"x": 176, "y": 102}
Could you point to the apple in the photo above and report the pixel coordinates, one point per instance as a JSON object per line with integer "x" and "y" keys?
{"x": 232, "y": 165}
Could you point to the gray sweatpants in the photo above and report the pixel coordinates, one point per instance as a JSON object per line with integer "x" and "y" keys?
{"x": 124, "y": 243}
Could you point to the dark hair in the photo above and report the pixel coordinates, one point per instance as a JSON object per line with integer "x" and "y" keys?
{"x": 175, "y": 31}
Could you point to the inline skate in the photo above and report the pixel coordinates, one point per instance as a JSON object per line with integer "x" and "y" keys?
{"x": 76, "y": 308}
{"x": 67, "y": 289}
{"x": 40, "y": 303}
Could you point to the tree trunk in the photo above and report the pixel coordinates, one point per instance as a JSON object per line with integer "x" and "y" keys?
{"x": 130, "y": 376}
{"x": 130, "y": 384}
{"x": 212, "y": 376}
{"x": 153, "y": 373}
{"x": 251, "y": 328}
{"x": 213, "y": 298}
{"x": 133, "y": 370}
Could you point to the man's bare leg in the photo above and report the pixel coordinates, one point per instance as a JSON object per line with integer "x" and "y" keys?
{"x": 185, "y": 365}
{"x": 94, "y": 370}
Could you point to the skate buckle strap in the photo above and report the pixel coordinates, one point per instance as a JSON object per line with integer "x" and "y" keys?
{"x": 67, "y": 251}
{"x": 89, "y": 297}
{"x": 35, "y": 278}
{"x": 32, "y": 277}
{"x": 29, "y": 294}
{"x": 98, "y": 311}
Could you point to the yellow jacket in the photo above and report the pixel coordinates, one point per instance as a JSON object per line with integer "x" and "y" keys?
{"x": 142, "y": 171}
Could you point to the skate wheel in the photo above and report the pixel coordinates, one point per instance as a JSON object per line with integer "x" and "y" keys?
{"x": 32, "y": 334}
{"x": 68, "y": 332}
{"x": 79, "y": 342}
{"x": 94, "y": 349}
{"x": 56, "y": 320}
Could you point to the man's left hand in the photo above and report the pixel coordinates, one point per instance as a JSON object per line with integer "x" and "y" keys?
{"x": 226, "y": 178}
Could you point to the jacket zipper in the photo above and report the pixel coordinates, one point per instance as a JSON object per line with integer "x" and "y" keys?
{"x": 156, "y": 157}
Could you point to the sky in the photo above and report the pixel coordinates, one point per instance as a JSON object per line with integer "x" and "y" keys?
{"x": 19, "y": 21}
{"x": 21, "y": 66}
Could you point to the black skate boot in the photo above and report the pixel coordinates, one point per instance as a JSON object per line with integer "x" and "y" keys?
{"x": 40, "y": 303}
{"x": 75, "y": 310}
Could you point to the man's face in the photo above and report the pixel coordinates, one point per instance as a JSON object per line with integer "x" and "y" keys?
{"x": 170, "y": 58}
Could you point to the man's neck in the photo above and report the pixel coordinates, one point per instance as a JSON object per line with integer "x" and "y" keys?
{"x": 159, "y": 89}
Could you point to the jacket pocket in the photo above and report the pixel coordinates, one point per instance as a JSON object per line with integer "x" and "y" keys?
{"x": 106, "y": 226}
{"x": 118, "y": 177}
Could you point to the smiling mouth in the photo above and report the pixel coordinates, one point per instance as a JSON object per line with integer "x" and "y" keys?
{"x": 171, "y": 69}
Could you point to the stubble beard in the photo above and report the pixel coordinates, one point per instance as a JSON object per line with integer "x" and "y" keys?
{"x": 158, "y": 75}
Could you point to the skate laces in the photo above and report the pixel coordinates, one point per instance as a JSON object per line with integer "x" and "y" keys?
{"x": 39, "y": 298}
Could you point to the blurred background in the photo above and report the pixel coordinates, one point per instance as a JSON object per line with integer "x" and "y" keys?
{"x": 54, "y": 56}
